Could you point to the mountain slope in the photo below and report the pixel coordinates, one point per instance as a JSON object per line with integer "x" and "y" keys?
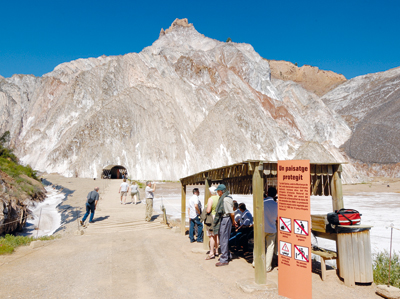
{"x": 185, "y": 104}
{"x": 371, "y": 106}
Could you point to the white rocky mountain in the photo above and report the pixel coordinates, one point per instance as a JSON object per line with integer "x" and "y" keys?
{"x": 184, "y": 104}
{"x": 370, "y": 104}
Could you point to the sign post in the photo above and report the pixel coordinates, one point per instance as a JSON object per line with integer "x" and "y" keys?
{"x": 294, "y": 241}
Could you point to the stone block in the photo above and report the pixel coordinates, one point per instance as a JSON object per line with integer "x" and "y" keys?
{"x": 249, "y": 286}
{"x": 389, "y": 292}
{"x": 36, "y": 244}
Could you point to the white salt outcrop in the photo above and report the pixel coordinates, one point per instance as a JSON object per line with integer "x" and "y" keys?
{"x": 185, "y": 104}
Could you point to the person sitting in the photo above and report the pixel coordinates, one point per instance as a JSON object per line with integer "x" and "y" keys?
{"x": 243, "y": 232}
{"x": 238, "y": 213}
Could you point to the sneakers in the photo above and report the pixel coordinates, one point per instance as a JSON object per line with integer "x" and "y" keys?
{"x": 81, "y": 222}
{"x": 219, "y": 264}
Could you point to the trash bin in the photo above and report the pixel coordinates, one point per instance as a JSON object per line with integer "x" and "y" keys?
{"x": 354, "y": 253}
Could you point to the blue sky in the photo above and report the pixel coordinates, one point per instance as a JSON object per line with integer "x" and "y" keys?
{"x": 348, "y": 37}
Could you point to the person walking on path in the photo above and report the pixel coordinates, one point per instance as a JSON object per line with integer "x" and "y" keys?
{"x": 194, "y": 217}
{"x": 211, "y": 206}
{"x": 270, "y": 218}
{"x": 135, "y": 192}
{"x": 149, "y": 200}
{"x": 123, "y": 189}
{"x": 223, "y": 221}
{"x": 91, "y": 203}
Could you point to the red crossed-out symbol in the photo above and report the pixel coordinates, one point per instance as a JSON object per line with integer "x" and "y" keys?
{"x": 301, "y": 228}
{"x": 301, "y": 253}
{"x": 285, "y": 224}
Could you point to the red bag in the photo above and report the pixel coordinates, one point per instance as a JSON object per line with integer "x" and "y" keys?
{"x": 348, "y": 217}
{"x": 344, "y": 217}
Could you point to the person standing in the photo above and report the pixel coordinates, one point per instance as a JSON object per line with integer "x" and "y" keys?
{"x": 194, "y": 212}
{"x": 270, "y": 218}
{"x": 135, "y": 192}
{"x": 123, "y": 189}
{"x": 149, "y": 200}
{"x": 91, "y": 203}
{"x": 211, "y": 206}
{"x": 224, "y": 218}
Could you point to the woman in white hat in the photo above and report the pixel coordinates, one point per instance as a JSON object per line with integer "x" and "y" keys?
{"x": 214, "y": 240}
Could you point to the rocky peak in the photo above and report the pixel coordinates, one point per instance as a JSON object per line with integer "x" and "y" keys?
{"x": 311, "y": 78}
{"x": 178, "y": 22}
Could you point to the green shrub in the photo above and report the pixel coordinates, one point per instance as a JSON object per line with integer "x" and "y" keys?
{"x": 9, "y": 242}
{"x": 381, "y": 268}
{"x": 6, "y": 249}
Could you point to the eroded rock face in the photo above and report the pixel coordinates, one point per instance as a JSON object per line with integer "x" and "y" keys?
{"x": 14, "y": 203}
{"x": 185, "y": 104}
{"x": 311, "y": 78}
{"x": 370, "y": 105}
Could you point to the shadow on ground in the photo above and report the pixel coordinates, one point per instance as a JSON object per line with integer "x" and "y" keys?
{"x": 68, "y": 213}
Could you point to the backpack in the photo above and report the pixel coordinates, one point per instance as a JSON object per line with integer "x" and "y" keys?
{"x": 91, "y": 196}
{"x": 344, "y": 217}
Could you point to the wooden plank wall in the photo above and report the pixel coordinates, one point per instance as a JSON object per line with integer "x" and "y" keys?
{"x": 238, "y": 177}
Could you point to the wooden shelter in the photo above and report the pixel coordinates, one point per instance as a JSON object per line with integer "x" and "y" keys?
{"x": 254, "y": 177}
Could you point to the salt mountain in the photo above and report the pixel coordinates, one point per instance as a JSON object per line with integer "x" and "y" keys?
{"x": 186, "y": 103}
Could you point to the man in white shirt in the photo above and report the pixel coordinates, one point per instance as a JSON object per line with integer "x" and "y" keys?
{"x": 270, "y": 218}
{"x": 149, "y": 200}
{"x": 194, "y": 212}
{"x": 123, "y": 189}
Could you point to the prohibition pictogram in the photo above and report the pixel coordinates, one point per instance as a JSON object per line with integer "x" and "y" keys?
{"x": 301, "y": 253}
{"x": 301, "y": 227}
{"x": 285, "y": 248}
{"x": 285, "y": 224}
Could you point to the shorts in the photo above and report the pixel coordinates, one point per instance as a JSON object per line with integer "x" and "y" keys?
{"x": 133, "y": 193}
{"x": 210, "y": 233}
{"x": 124, "y": 193}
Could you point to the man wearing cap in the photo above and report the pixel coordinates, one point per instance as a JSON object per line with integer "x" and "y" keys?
{"x": 224, "y": 218}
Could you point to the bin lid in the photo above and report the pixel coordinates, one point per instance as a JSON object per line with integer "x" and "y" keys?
{"x": 342, "y": 229}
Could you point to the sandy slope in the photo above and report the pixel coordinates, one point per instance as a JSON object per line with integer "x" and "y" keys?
{"x": 121, "y": 256}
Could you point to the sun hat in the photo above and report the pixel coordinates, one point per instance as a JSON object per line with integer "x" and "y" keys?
{"x": 212, "y": 189}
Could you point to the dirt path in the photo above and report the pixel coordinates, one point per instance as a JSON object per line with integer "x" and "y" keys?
{"x": 122, "y": 256}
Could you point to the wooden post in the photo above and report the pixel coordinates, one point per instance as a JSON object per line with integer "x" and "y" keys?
{"x": 183, "y": 209}
{"x": 207, "y": 195}
{"x": 259, "y": 234}
{"x": 337, "y": 193}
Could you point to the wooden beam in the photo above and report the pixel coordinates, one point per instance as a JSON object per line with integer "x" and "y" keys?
{"x": 337, "y": 193}
{"x": 183, "y": 210}
{"x": 207, "y": 194}
{"x": 259, "y": 233}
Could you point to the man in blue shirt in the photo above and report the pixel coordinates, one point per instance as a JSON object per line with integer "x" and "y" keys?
{"x": 241, "y": 236}
{"x": 91, "y": 203}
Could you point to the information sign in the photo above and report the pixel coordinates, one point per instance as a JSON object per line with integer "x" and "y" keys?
{"x": 294, "y": 276}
